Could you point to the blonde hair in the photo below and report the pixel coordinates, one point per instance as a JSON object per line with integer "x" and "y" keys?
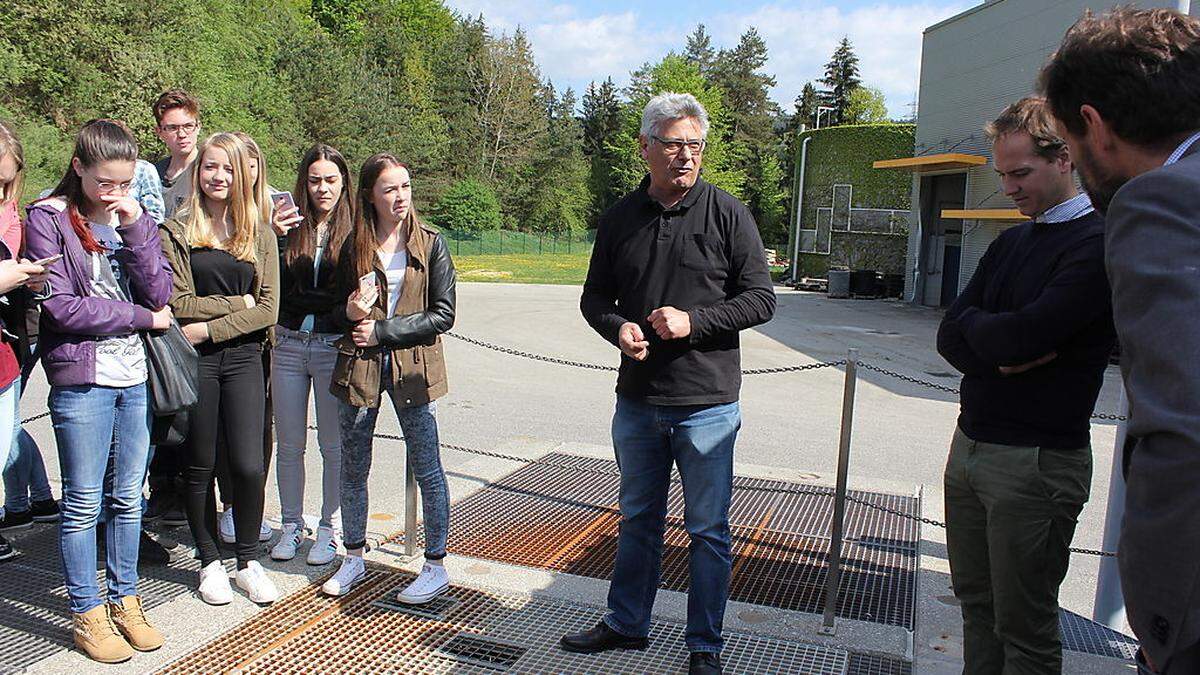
{"x": 262, "y": 193}
{"x": 11, "y": 145}
{"x": 242, "y": 209}
{"x": 1031, "y": 115}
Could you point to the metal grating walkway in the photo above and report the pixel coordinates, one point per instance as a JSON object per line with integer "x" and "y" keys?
{"x": 555, "y": 517}
{"x": 477, "y": 632}
{"x": 34, "y": 622}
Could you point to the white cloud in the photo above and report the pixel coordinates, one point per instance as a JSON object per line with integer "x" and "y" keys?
{"x": 800, "y": 40}
{"x": 574, "y": 45}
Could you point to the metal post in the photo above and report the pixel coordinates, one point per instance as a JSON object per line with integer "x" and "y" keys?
{"x": 1109, "y": 607}
{"x": 410, "y": 509}
{"x": 833, "y": 576}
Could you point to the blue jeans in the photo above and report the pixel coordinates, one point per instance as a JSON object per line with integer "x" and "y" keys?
{"x": 419, "y": 424}
{"x": 103, "y": 437}
{"x": 699, "y": 440}
{"x": 25, "y": 477}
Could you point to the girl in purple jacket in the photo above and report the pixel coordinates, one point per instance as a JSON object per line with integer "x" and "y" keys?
{"x": 111, "y": 282}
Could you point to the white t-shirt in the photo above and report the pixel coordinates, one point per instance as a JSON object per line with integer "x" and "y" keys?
{"x": 394, "y": 265}
{"x": 120, "y": 359}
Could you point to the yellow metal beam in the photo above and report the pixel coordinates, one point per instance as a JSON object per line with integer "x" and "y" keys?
{"x": 984, "y": 214}
{"x": 941, "y": 162}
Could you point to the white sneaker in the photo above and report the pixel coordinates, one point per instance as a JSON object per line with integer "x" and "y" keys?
{"x": 352, "y": 571}
{"x": 229, "y": 532}
{"x": 225, "y": 526}
{"x": 214, "y": 584}
{"x": 325, "y": 549}
{"x": 433, "y": 581}
{"x": 257, "y": 584}
{"x": 290, "y": 538}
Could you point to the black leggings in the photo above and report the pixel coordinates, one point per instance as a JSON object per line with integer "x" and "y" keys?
{"x": 232, "y": 402}
{"x": 224, "y": 482}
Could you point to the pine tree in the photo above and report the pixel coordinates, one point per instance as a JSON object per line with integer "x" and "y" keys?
{"x": 699, "y": 51}
{"x": 841, "y": 78}
{"x": 746, "y": 89}
{"x": 806, "y": 108}
{"x": 602, "y": 120}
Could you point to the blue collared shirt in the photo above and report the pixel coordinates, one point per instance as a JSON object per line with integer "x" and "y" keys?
{"x": 1183, "y": 147}
{"x": 1076, "y": 207}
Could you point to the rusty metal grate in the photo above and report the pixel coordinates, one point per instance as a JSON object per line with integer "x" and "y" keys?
{"x": 483, "y": 651}
{"x": 874, "y": 664}
{"x": 307, "y": 632}
{"x": 561, "y": 519}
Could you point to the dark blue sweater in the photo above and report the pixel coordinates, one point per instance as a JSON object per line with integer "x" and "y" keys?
{"x": 1040, "y": 288}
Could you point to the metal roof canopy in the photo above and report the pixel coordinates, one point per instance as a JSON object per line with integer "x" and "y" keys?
{"x": 939, "y": 162}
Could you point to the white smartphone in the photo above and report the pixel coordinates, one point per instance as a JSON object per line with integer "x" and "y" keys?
{"x": 367, "y": 281}
{"x": 46, "y": 261}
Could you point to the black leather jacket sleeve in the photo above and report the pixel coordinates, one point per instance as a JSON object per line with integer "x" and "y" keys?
{"x": 422, "y": 328}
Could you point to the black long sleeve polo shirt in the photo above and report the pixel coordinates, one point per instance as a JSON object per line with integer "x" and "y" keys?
{"x": 703, "y": 256}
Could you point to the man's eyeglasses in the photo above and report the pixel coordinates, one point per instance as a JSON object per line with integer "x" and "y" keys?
{"x": 176, "y": 128}
{"x": 675, "y": 145}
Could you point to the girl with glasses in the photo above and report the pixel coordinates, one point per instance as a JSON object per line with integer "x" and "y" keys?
{"x": 110, "y": 283}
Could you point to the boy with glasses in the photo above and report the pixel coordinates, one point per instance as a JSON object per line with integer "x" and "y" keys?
{"x": 177, "y": 117}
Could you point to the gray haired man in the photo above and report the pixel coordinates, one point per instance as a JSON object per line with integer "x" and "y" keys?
{"x": 678, "y": 269}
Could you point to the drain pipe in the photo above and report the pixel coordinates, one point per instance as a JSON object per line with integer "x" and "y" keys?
{"x": 1184, "y": 6}
{"x": 799, "y": 208}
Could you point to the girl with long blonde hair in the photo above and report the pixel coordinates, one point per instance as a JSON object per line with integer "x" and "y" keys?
{"x": 225, "y": 296}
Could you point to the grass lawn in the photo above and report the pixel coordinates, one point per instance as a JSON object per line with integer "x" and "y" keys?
{"x": 556, "y": 268}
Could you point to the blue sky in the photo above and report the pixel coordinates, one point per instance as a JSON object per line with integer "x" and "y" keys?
{"x": 576, "y": 42}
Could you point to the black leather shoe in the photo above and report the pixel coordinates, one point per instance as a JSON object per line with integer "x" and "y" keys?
{"x": 704, "y": 663}
{"x": 599, "y": 639}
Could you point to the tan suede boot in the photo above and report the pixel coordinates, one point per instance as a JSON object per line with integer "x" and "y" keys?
{"x": 96, "y": 636}
{"x": 131, "y": 621}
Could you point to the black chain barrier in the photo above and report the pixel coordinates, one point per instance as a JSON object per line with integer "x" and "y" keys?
{"x": 754, "y": 371}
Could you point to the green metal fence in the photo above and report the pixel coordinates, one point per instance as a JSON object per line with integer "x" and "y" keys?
{"x": 510, "y": 242}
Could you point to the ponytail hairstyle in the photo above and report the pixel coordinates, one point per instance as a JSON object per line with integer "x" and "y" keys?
{"x": 365, "y": 242}
{"x": 262, "y": 193}
{"x": 242, "y": 209}
{"x": 99, "y": 140}
{"x": 302, "y": 240}
{"x": 11, "y": 145}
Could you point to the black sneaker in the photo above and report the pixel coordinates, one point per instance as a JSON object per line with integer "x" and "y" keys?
{"x": 15, "y": 520}
{"x": 6, "y": 550}
{"x": 45, "y": 511}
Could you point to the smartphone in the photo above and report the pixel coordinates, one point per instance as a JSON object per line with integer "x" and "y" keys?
{"x": 46, "y": 261}
{"x": 283, "y": 200}
{"x": 366, "y": 280}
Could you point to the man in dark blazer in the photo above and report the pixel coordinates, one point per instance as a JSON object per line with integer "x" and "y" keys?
{"x": 1125, "y": 89}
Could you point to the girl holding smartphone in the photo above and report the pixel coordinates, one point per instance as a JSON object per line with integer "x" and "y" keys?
{"x": 396, "y": 315}
{"x": 304, "y": 353}
{"x": 225, "y": 295}
{"x": 111, "y": 282}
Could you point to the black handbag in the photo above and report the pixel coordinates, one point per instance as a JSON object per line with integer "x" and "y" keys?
{"x": 172, "y": 371}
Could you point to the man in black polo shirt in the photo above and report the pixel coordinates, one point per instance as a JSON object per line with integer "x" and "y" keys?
{"x": 677, "y": 270}
{"x": 1031, "y": 333}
